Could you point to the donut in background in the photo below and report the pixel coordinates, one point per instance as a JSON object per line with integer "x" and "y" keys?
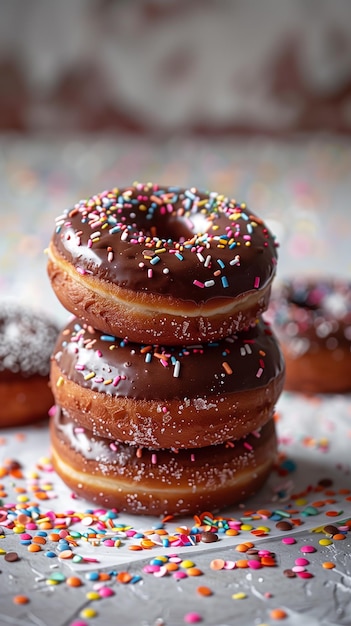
{"x": 27, "y": 339}
{"x": 312, "y": 320}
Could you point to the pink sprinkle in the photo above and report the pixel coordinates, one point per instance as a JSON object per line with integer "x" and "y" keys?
{"x": 113, "y": 446}
{"x": 192, "y": 618}
{"x": 179, "y": 575}
{"x": 106, "y": 592}
{"x": 149, "y": 273}
{"x": 257, "y": 282}
{"x": 151, "y": 569}
{"x": 288, "y": 540}
{"x": 298, "y": 569}
{"x": 116, "y": 381}
{"x": 259, "y": 372}
{"x": 25, "y": 536}
{"x": 154, "y": 459}
{"x": 197, "y": 283}
{"x": 301, "y": 561}
{"x": 248, "y": 446}
{"x": 304, "y": 549}
{"x": 81, "y": 270}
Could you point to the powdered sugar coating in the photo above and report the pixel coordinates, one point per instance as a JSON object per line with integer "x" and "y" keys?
{"x": 26, "y": 340}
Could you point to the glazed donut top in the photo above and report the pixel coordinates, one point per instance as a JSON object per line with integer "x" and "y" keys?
{"x": 147, "y": 372}
{"x": 310, "y": 312}
{"x": 27, "y": 339}
{"x": 168, "y": 241}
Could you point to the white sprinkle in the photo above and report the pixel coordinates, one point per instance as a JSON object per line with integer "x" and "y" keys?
{"x": 176, "y": 369}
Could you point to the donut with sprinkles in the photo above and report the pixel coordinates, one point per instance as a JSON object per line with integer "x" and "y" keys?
{"x": 160, "y": 482}
{"x": 167, "y": 396}
{"x": 312, "y": 319}
{"x": 162, "y": 264}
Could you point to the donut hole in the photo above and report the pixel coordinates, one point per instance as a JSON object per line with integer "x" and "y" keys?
{"x": 177, "y": 227}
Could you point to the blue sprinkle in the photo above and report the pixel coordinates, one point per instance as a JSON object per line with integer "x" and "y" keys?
{"x": 107, "y": 338}
{"x": 50, "y": 554}
{"x": 155, "y": 260}
{"x": 135, "y": 579}
{"x": 148, "y": 357}
{"x": 224, "y": 281}
{"x": 220, "y": 263}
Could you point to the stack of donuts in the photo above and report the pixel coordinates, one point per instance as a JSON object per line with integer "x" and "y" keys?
{"x": 166, "y": 378}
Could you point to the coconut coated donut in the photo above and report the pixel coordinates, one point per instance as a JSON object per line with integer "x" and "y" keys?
{"x": 312, "y": 318}
{"x": 144, "y": 481}
{"x": 167, "y": 397}
{"x": 27, "y": 339}
{"x": 162, "y": 264}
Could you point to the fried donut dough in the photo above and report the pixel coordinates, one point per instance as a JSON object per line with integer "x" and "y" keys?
{"x": 312, "y": 319}
{"x": 144, "y": 481}
{"x": 167, "y": 397}
{"x": 27, "y": 339}
{"x": 162, "y": 265}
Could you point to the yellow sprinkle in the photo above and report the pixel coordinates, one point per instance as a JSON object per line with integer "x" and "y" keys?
{"x": 60, "y": 381}
{"x": 87, "y": 613}
{"x": 239, "y": 596}
{"x": 51, "y": 582}
{"x": 89, "y": 376}
{"x": 22, "y": 498}
{"x": 108, "y": 381}
{"x": 93, "y": 595}
{"x": 300, "y": 501}
{"x": 325, "y": 542}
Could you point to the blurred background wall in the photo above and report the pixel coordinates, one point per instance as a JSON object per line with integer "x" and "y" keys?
{"x": 175, "y": 66}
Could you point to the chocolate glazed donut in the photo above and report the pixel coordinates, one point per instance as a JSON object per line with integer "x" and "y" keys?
{"x": 159, "y": 482}
{"x": 167, "y": 397}
{"x": 312, "y": 319}
{"x": 164, "y": 265}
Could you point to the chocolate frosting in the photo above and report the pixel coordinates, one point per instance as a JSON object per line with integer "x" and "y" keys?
{"x": 110, "y": 365}
{"x": 191, "y": 245}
